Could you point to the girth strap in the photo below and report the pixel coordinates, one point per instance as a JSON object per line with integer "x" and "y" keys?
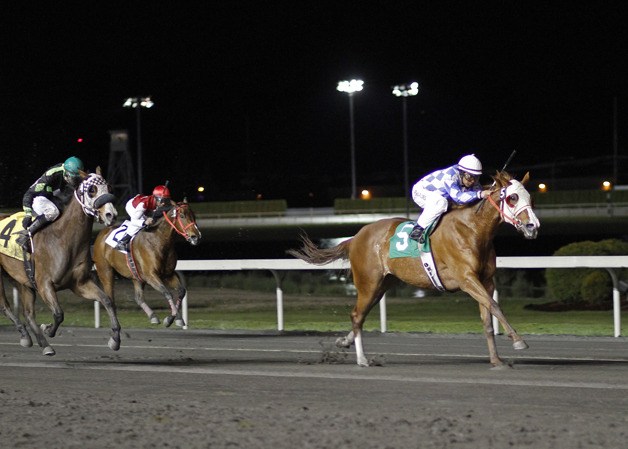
{"x": 130, "y": 262}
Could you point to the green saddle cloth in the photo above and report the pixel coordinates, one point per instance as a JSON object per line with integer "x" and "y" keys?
{"x": 401, "y": 245}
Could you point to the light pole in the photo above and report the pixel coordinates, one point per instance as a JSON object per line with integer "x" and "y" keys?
{"x": 404, "y": 91}
{"x": 350, "y": 87}
{"x": 138, "y": 103}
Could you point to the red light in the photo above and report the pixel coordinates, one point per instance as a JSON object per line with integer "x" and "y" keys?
{"x": 79, "y": 140}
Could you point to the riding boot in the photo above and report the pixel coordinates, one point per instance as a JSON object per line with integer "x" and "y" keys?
{"x": 123, "y": 243}
{"x": 25, "y": 239}
{"x": 417, "y": 234}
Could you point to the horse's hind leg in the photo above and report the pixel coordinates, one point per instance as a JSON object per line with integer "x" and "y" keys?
{"x": 25, "y": 338}
{"x": 49, "y": 295}
{"x": 138, "y": 288}
{"x": 369, "y": 294}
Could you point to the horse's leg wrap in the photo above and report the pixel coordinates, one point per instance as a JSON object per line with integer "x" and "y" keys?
{"x": 359, "y": 350}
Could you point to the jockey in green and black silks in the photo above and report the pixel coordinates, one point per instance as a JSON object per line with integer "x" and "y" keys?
{"x": 39, "y": 200}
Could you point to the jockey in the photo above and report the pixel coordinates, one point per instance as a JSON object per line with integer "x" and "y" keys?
{"x": 143, "y": 210}
{"x": 39, "y": 199}
{"x": 458, "y": 183}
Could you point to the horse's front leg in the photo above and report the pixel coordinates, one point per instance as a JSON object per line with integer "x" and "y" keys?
{"x": 27, "y": 298}
{"x": 473, "y": 287}
{"x": 489, "y": 331}
{"x": 88, "y": 289}
{"x": 175, "y": 307}
{"x": 176, "y": 285}
{"x": 487, "y": 322}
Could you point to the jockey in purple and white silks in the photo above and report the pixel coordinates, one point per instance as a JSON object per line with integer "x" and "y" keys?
{"x": 458, "y": 183}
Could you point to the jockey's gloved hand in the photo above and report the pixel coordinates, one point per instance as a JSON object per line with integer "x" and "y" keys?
{"x": 160, "y": 211}
{"x": 26, "y": 221}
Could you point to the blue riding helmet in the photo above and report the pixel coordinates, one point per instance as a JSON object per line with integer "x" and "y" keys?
{"x": 72, "y": 165}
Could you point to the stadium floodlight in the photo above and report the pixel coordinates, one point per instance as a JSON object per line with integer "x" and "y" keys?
{"x": 138, "y": 103}
{"x": 404, "y": 91}
{"x": 351, "y": 87}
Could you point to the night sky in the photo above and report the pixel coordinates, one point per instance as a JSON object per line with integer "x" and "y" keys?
{"x": 246, "y": 99}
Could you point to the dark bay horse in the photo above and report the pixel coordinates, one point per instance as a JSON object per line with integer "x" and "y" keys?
{"x": 155, "y": 260}
{"x": 61, "y": 259}
{"x": 463, "y": 252}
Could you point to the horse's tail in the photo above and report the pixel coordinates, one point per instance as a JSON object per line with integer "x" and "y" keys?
{"x": 320, "y": 256}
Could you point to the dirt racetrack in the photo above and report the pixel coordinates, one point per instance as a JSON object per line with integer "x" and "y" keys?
{"x": 172, "y": 388}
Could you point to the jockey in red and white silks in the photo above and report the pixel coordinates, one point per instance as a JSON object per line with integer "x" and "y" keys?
{"x": 142, "y": 210}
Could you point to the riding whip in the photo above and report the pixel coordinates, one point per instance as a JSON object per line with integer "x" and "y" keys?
{"x": 503, "y": 168}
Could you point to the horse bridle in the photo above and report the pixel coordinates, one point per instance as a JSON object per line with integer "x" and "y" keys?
{"x": 502, "y": 212}
{"x": 179, "y": 222}
{"x": 93, "y": 180}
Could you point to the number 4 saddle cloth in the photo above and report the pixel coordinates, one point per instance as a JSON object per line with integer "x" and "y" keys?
{"x": 10, "y": 229}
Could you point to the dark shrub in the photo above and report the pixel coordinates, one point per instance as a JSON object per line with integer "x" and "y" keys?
{"x": 568, "y": 284}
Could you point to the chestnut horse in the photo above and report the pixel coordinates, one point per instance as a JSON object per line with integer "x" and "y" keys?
{"x": 61, "y": 260}
{"x": 463, "y": 252}
{"x": 155, "y": 260}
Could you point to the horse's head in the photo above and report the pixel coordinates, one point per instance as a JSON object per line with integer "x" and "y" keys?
{"x": 96, "y": 199}
{"x": 182, "y": 219}
{"x": 515, "y": 204}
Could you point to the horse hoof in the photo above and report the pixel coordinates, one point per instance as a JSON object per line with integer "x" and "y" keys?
{"x": 49, "y": 351}
{"x": 342, "y": 342}
{"x": 155, "y": 320}
{"x": 520, "y": 344}
{"x": 26, "y": 342}
{"x": 168, "y": 321}
{"x": 363, "y": 362}
{"x": 114, "y": 344}
{"x": 179, "y": 323}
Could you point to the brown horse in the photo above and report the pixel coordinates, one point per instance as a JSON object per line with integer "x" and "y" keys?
{"x": 463, "y": 253}
{"x": 61, "y": 260}
{"x": 155, "y": 260}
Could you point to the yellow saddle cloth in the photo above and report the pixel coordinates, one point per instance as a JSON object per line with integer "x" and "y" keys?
{"x": 9, "y": 232}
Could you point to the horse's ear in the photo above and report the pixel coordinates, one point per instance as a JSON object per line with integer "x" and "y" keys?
{"x": 499, "y": 179}
{"x": 526, "y": 178}
{"x": 83, "y": 174}
{"x": 98, "y": 171}
{"x": 185, "y": 200}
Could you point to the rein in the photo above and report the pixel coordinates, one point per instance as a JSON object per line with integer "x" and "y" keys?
{"x": 500, "y": 208}
{"x": 179, "y": 222}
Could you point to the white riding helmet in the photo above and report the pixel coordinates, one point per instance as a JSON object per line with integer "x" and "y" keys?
{"x": 470, "y": 164}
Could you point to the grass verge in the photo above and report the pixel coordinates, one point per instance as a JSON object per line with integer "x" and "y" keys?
{"x": 230, "y": 309}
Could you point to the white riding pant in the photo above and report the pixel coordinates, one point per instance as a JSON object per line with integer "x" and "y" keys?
{"x": 136, "y": 218}
{"x": 432, "y": 202}
{"x": 43, "y": 206}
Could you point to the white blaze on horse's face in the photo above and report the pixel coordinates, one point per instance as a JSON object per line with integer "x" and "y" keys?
{"x": 516, "y": 205}
{"x": 96, "y": 198}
